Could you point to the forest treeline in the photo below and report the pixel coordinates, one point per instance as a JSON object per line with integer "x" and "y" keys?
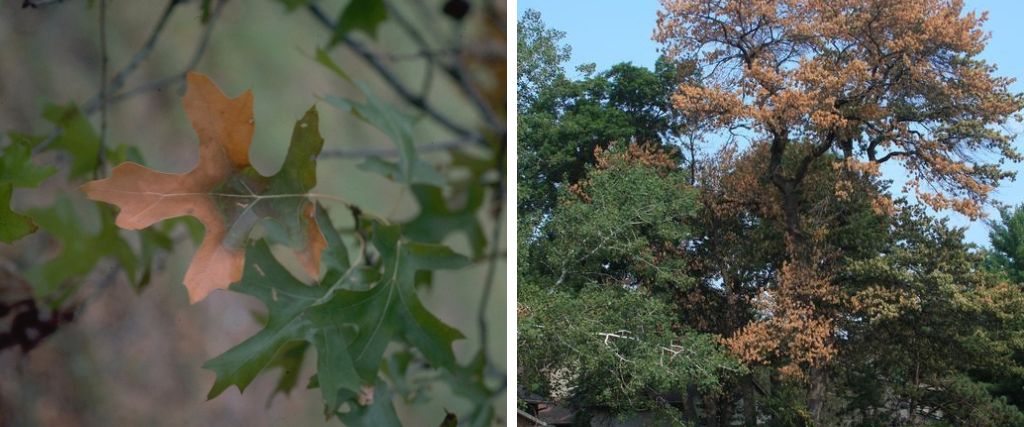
{"x": 712, "y": 242}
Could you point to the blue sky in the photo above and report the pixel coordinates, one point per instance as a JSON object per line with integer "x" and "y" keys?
{"x": 607, "y": 32}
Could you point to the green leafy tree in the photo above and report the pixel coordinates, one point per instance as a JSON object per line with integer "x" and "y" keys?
{"x": 570, "y": 119}
{"x": 597, "y": 327}
{"x": 931, "y": 333}
{"x": 1007, "y": 237}
{"x": 541, "y": 54}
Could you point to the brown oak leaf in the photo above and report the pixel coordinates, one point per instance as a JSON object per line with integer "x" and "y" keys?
{"x": 224, "y": 192}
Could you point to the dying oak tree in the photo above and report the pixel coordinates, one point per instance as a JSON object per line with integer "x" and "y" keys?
{"x": 872, "y": 81}
{"x": 861, "y": 82}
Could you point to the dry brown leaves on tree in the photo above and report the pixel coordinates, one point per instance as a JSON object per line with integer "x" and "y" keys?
{"x": 223, "y": 191}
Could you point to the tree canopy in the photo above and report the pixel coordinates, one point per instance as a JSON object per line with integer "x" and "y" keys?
{"x": 806, "y": 288}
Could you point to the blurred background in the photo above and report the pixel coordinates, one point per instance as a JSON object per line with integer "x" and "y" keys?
{"x": 122, "y": 356}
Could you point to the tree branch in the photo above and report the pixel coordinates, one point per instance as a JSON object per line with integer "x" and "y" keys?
{"x": 197, "y": 54}
{"x": 119, "y": 79}
{"x": 454, "y": 70}
{"x": 96, "y": 101}
{"x": 392, "y": 152}
{"x": 392, "y": 80}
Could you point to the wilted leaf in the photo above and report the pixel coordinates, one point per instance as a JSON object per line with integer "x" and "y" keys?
{"x": 224, "y": 192}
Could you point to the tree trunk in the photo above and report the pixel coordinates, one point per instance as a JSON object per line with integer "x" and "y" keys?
{"x": 749, "y": 413}
{"x": 690, "y": 404}
{"x": 816, "y": 394}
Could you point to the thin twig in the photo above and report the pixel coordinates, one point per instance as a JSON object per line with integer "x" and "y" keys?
{"x": 392, "y": 152}
{"x": 147, "y": 48}
{"x": 393, "y": 81}
{"x": 456, "y": 70}
{"x": 101, "y": 153}
{"x": 179, "y": 78}
{"x": 492, "y": 268}
{"x": 93, "y": 104}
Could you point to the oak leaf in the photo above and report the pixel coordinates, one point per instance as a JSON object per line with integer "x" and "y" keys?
{"x": 224, "y": 192}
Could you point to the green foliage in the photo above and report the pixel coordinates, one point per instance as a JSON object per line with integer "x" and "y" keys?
{"x": 932, "y": 329}
{"x": 560, "y": 129}
{"x": 437, "y": 219}
{"x": 87, "y": 234}
{"x": 13, "y": 225}
{"x": 397, "y": 126}
{"x": 363, "y": 15}
{"x": 1007, "y": 236}
{"x": 612, "y": 347}
{"x": 540, "y": 54}
{"x": 627, "y": 232}
{"x": 16, "y": 164}
{"x": 77, "y": 137}
{"x": 349, "y": 329}
{"x": 605, "y": 262}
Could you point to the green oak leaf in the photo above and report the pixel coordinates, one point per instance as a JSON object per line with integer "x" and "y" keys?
{"x": 335, "y": 257}
{"x": 392, "y": 309}
{"x": 87, "y": 234}
{"x": 18, "y": 171}
{"x": 467, "y": 381}
{"x": 287, "y": 300}
{"x": 363, "y": 15}
{"x": 436, "y": 220}
{"x": 77, "y": 137}
{"x": 380, "y": 413}
{"x": 15, "y": 162}
{"x": 289, "y": 358}
{"x": 13, "y": 225}
{"x": 396, "y": 125}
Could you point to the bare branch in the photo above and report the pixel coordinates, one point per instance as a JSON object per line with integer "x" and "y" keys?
{"x": 96, "y": 101}
{"x": 119, "y": 79}
{"x": 179, "y": 78}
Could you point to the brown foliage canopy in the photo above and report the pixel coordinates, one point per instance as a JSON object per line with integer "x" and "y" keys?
{"x": 871, "y": 80}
